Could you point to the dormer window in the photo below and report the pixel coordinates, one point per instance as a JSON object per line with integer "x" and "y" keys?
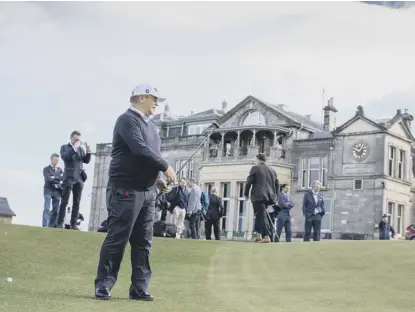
{"x": 254, "y": 118}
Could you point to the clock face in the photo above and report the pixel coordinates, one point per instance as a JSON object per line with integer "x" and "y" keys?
{"x": 360, "y": 151}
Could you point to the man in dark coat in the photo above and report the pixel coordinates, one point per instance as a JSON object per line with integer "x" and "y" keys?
{"x": 74, "y": 156}
{"x": 265, "y": 186}
{"x": 284, "y": 216}
{"x": 385, "y": 229}
{"x": 313, "y": 211}
{"x": 213, "y": 214}
{"x": 52, "y": 191}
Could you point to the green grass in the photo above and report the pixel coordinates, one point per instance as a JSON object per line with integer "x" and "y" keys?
{"x": 54, "y": 270}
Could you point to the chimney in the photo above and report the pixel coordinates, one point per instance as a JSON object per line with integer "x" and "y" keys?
{"x": 329, "y": 116}
{"x": 167, "y": 108}
{"x": 191, "y": 112}
{"x": 224, "y": 105}
{"x": 308, "y": 117}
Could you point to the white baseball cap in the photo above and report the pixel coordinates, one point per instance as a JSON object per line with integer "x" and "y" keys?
{"x": 146, "y": 89}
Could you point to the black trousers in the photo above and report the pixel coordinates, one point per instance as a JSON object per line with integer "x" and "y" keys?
{"x": 262, "y": 224}
{"x": 284, "y": 222}
{"x": 209, "y": 223}
{"x": 131, "y": 220}
{"x": 312, "y": 223}
{"x": 194, "y": 224}
{"x": 76, "y": 188}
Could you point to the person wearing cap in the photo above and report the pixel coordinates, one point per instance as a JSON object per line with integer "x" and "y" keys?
{"x": 385, "y": 229}
{"x": 265, "y": 186}
{"x": 134, "y": 173}
{"x": 313, "y": 211}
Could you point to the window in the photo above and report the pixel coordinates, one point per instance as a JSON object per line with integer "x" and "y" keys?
{"x": 391, "y": 212}
{"x": 191, "y": 170}
{"x": 313, "y": 168}
{"x": 399, "y": 221}
{"x": 303, "y": 172}
{"x": 208, "y": 187}
{"x": 226, "y": 197}
{"x": 240, "y": 212}
{"x": 184, "y": 171}
{"x": 401, "y": 165}
{"x": 326, "y": 221}
{"x": 391, "y": 164}
{"x": 358, "y": 184}
{"x": 254, "y": 118}
{"x": 197, "y": 129}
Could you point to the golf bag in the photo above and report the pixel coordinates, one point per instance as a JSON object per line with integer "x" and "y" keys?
{"x": 163, "y": 229}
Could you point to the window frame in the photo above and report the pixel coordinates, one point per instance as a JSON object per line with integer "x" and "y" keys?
{"x": 223, "y": 222}
{"x": 304, "y": 173}
{"x": 354, "y": 185}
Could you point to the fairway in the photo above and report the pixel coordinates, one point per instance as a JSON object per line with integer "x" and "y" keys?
{"x": 54, "y": 270}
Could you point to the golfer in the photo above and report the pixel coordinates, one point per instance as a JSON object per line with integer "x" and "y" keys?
{"x": 134, "y": 172}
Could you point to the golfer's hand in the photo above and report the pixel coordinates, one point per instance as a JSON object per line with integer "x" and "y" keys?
{"x": 161, "y": 185}
{"x": 170, "y": 175}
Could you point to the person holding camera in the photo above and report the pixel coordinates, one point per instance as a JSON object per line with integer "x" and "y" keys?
{"x": 74, "y": 155}
{"x": 52, "y": 190}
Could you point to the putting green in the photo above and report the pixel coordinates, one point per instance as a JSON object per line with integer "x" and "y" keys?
{"x": 54, "y": 270}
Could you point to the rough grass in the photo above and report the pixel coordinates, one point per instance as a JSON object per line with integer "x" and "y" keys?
{"x": 54, "y": 270}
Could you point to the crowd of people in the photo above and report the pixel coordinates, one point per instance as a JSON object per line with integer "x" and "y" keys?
{"x": 60, "y": 183}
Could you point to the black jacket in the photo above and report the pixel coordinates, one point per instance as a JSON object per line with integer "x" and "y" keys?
{"x": 53, "y": 179}
{"x": 215, "y": 208}
{"x": 264, "y": 182}
{"x": 73, "y": 162}
{"x": 136, "y": 161}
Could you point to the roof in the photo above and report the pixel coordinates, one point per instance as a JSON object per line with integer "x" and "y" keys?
{"x": 5, "y": 210}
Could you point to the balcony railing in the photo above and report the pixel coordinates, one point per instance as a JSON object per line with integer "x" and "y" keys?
{"x": 244, "y": 153}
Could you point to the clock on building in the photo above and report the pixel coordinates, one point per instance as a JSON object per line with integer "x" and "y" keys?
{"x": 360, "y": 151}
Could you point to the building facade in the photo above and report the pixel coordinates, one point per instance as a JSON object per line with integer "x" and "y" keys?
{"x": 365, "y": 165}
{"x": 6, "y": 214}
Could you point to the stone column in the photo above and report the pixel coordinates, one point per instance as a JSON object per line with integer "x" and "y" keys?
{"x": 253, "y": 142}
{"x": 275, "y": 138}
{"x": 221, "y": 152}
{"x": 236, "y": 145}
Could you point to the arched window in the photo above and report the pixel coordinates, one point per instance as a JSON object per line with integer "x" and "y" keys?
{"x": 254, "y": 118}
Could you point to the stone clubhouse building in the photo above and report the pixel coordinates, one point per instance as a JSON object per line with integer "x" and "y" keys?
{"x": 365, "y": 165}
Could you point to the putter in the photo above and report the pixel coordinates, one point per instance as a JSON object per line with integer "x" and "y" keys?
{"x": 215, "y": 126}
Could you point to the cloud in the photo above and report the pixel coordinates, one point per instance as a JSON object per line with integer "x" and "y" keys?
{"x": 72, "y": 65}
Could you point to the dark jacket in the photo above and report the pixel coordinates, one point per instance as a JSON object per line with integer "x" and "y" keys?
{"x": 73, "y": 162}
{"x": 136, "y": 161}
{"x": 285, "y": 205}
{"x": 53, "y": 179}
{"x": 264, "y": 182}
{"x": 215, "y": 208}
{"x": 384, "y": 229}
{"x": 178, "y": 197}
{"x": 310, "y": 205}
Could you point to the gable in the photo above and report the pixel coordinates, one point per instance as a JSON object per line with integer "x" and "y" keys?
{"x": 359, "y": 125}
{"x": 399, "y": 129}
{"x": 235, "y": 116}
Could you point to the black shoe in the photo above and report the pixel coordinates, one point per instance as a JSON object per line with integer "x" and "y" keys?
{"x": 103, "y": 229}
{"x": 143, "y": 295}
{"x": 74, "y": 227}
{"x": 102, "y": 293}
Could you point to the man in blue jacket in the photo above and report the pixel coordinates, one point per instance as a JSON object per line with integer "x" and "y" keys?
{"x": 313, "y": 211}
{"x": 284, "y": 217}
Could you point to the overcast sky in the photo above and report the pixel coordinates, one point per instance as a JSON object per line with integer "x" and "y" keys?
{"x": 66, "y": 66}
